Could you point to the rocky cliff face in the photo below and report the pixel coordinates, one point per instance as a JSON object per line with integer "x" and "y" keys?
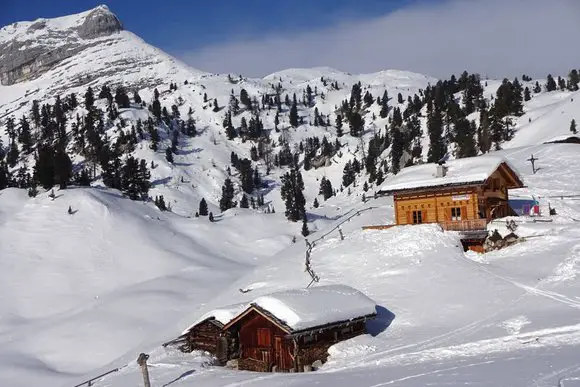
{"x": 30, "y": 49}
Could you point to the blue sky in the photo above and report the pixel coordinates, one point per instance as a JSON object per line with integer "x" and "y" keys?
{"x": 496, "y": 38}
{"x": 190, "y": 25}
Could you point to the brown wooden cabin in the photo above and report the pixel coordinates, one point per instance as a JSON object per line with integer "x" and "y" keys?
{"x": 262, "y": 342}
{"x": 461, "y": 195}
{"x": 207, "y": 334}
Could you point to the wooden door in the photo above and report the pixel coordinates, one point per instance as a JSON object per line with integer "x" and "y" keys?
{"x": 279, "y": 353}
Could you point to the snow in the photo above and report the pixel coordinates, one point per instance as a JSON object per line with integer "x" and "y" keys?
{"x": 302, "y": 309}
{"x": 461, "y": 171}
{"x": 83, "y": 294}
{"x": 224, "y": 315}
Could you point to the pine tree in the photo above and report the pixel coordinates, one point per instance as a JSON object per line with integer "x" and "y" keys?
{"x": 160, "y": 203}
{"x": 244, "y": 202}
{"x": 4, "y": 175}
{"x": 203, "y": 207}
{"x": 174, "y": 141}
{"x": 573, "y": 80}
{"x": 62, "y": 167}
{"x": 537, "y": 88}
{"x": 211, "y": 219}
{"x": 44, "y": 167}
{"x": 169, "y": 155}
{"x": 227, "y": 199}
{"x": 294, "y": 113}
{"x": 573, "y": 127}
{"x": 153, "y": 134}
{"x": 305, "y": 232}
{"x": 561, "y": 83}
{"x": 35, "y": 113}
{"x": 25, "y": 137}
{"x": 89, "y": 99}
{"x": 12, "y": 155}
{"x": 121, "y": 98}
{"x": 325, "y": 188}
{"x": 293, "y": 197}
{"x": 465, "y": 138}
{"x": 483, "y": 133}
{"x": 397, "y": 148}
{"x": 315, "y": 204}
{"x": 135, "y": 178}
{"x": 356, "y": 124}
{"x": 527, "y": 94}
{"x": 137, "y": 97}
{"x": 551, "y": 83}
{"x": 384, "y": 105}
{"x": 156, "y": 110}
{"x": 437, "y": 148}
{"x": 190, "y": 128}
{"x": 216, "y": 107}
{"x": 338, "y": 125}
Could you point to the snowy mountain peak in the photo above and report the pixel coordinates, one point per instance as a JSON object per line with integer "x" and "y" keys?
{"x": 98, "y": 22}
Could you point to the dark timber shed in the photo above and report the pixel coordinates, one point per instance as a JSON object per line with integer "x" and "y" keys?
{"x": 288, "y": 330}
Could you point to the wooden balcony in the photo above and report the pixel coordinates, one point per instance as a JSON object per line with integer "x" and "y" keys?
{"x": 465, "y": 225}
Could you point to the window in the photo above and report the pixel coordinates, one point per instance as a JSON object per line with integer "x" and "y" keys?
{"x": 456, "y": 213}
{"x": 417, "y": 217}
{"x": 263, "y": 337}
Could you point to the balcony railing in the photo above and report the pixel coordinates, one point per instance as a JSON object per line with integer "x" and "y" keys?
{"x": 465, "y": 225}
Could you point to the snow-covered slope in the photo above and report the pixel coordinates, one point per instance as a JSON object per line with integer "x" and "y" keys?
{"x": 506, "y": 318}
{"x": 547, "y": 117}
{"x": 99, "y": 282}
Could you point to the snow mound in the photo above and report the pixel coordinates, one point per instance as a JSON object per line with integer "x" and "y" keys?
{"x": 307, "y": 308}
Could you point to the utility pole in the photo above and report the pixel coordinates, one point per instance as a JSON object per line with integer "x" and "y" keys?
{"x": 142, "y": 361}
{"x": 533, "y": 161}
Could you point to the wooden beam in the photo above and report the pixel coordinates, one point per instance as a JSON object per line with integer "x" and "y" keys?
{"x": 379, "y": 227}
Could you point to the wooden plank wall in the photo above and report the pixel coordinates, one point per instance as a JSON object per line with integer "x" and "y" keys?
{"x": 436, "y": 207}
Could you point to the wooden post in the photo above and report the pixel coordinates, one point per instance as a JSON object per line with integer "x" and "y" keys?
{"x": 341, "y": 235}
{"x": 142, "y": 361}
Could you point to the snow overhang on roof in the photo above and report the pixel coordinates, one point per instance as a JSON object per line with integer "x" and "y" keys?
{"x": 460, "y": 172}
{"x": 222, "y": 315}
{"x": 303, "y": 309}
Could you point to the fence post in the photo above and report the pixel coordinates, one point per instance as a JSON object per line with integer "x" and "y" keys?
{"x": 142, "y": 361}
{"x": 341, "y": 235}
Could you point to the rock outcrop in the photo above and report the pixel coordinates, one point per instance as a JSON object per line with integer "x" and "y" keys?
{"x": 22, "y": 59}
{"x": 99, "y": 22}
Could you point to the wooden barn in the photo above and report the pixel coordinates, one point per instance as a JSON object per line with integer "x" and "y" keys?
{"x": 288, "y": 331}
{"x": 462, "y": 195}
{"x": 207, "y": 334}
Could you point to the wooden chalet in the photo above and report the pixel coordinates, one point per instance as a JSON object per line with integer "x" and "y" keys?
{"x": 288, "y": 331}
{"x": 207, "y": 334}
{"x": 461, "y": 195}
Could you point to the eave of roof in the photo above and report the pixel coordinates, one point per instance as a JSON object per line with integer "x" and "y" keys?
{"x": 290, "y": 331}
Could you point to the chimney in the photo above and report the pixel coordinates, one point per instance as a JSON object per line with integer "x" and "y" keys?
{"x": 441, "y": 170}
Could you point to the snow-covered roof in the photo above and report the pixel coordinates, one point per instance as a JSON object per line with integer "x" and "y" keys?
{"x": 223, "y": 315}
{"x": 301, "y": 309}
{"x": 470, "y": 170}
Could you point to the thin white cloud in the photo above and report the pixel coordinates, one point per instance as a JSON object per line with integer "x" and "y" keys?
{"x": 493, "y": 37}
